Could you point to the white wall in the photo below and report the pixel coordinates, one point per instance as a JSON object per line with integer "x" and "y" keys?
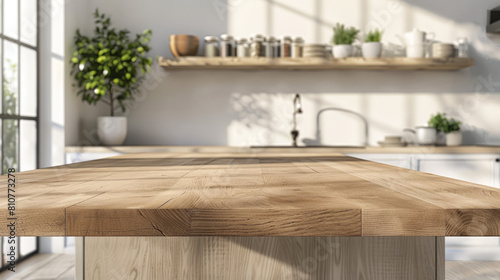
{"x": 243, "y": 108}
{"x": 52, "y": 89}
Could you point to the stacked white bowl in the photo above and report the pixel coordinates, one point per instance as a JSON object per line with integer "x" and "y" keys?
{"x": 440, "y": 50}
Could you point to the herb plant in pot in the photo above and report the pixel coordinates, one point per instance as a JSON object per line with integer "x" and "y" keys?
{"x": 342, "y": 39}
{"x": 449, "y": 126}
{"x": 372, "y": 47}
{"x": 108, "y": 67}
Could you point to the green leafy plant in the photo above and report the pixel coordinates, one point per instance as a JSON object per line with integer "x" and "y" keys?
{"x": 343, "y": 35}
{"x": 109, "y": 66}
{"x": 374, "y": 36}
{"x": 444, "y": 124}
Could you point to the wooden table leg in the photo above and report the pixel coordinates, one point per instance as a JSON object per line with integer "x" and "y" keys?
{"x": 342, "y": 258}
{"x": 79, "y": 258}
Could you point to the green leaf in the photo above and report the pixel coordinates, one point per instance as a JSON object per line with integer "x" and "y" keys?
{"x": 103, "y": 51}
{"x": 101, "y": 59}
{"x": 128, "y": 75}
{"x": 116, "y": 81}
{"x": 74, "y": 60}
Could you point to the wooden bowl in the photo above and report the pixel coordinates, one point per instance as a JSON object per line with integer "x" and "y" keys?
{"x": 184, "y": 45}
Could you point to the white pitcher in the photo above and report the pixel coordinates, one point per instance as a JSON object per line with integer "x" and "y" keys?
{"x": 416, "y": 43}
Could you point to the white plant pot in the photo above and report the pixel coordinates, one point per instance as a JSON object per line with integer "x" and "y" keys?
{"x": 454, "y": 138}
{"x": 112, "y": 131}
{"x": 371, "y": 49}
{"x": 342, "y": 51}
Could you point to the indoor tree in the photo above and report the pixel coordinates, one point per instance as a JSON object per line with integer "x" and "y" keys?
{"x": 110, "y": 65}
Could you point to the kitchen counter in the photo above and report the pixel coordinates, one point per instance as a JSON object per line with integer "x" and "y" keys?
{"x": 183, "y": 194}
{"x": 251, "y": 215}
{"x": 340, "y": 149}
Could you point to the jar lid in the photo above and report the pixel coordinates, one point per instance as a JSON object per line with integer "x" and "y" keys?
{"x": 299, "y": 40}
{"x": 226, "y": 37}
{"x": 284, "y": 38}
{"x": 241, "y": 40}
{"x": 211, "y": 39}
{"x": 271, "y": 39}
{"x": 257, "y": 36}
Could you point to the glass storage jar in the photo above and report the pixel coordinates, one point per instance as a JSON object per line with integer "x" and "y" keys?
{"x": 297, "y": 47}
{"x": 226, "y": 45}
{"x": 211, "y": 46}
{"x": 270, "y": 46}
{"x": 242, "y": 48}
{"x": 286, "y": 46}
{"x": 256, "y": 45}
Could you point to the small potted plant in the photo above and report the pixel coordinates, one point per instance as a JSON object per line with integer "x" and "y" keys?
{"x": 449, "y": 126}
{"x": 372, "y": 47}
{"x": 342, "y": 39}
{"x": 108, "y": 67}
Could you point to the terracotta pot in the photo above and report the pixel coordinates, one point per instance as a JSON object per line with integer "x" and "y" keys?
{"x": 184, "y": 45}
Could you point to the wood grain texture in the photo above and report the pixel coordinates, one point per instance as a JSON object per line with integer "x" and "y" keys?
{"x": 337, "y": 258}
{"x": 228, "y": 194}
{"x": 350, "y": 63}
{"x": 440, "y": 259}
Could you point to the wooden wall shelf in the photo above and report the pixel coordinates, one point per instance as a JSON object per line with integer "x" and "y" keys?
{"x": 352, "y": 63}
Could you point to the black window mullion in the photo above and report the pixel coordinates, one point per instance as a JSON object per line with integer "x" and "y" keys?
{"x": 37, "y": 88}
{"x": 3, "y": 93}
{"x": 1, "y": 250}
{"x": 18, "y": 248}
{"x": 18, "y": 105}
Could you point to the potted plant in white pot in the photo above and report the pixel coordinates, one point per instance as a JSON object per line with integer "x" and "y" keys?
{"x": 449, "y": 126}
{"x": 372, "y": 47}
{"x": 108, "y": 67}
{"x": 342, "y": 39}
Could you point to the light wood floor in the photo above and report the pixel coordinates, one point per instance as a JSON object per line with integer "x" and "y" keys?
{"x": 43, "y": 267}
{"x": 61, "y": 267}
{"x": 472, "y": 270}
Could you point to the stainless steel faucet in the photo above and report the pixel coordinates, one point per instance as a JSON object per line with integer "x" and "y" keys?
{"x": 297, "y": 109}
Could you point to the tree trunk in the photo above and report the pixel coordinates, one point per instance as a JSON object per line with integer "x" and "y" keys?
{"x": 111, "y": 101}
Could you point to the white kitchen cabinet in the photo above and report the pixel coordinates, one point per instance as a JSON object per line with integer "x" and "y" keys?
{"x": 479, "y": 169}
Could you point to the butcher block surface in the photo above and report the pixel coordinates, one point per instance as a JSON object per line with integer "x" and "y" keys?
{"x": 254, "y": 194}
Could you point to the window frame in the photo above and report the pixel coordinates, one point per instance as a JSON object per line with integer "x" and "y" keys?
{"x": 19, "y": 117}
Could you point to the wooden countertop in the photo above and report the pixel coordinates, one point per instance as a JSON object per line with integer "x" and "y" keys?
{"x": 342, "y": 150}
{"x": 188, "y": 194}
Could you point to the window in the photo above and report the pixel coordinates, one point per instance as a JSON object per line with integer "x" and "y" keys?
{"x": 19, "y": 99}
